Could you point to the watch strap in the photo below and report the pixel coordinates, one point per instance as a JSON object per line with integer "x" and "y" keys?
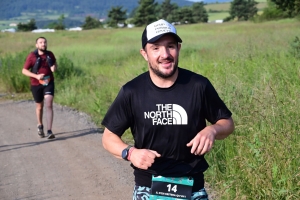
{"x": 129, "y": 153}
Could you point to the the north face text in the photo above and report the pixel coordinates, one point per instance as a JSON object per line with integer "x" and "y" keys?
{"x": 167, "y": 114}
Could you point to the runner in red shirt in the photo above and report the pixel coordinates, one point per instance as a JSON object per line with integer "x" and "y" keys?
{"x": 42, "y": 83}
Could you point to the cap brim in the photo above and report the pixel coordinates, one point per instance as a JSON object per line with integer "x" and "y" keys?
{"x": 152, "y": 40}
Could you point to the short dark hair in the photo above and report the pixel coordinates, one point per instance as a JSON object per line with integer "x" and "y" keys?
{"x": 40, "y": 38}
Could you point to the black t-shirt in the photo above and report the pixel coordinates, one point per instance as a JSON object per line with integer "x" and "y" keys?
{"x": 165, "y": 120}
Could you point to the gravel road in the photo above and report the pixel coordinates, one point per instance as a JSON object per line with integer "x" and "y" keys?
{"x": 72, "y": 166}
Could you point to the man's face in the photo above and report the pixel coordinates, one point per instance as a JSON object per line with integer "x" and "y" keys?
{"x": 162, "y": 56}
{"x": 41, "y": 44}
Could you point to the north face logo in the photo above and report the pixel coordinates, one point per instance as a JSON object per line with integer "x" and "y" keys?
{"x": 167, "y": 114}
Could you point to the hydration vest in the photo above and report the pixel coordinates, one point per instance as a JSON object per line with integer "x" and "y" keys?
{"x": 37, "y": 64}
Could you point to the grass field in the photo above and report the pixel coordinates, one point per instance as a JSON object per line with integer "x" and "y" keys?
{"x": 226, "y": 6}
{"x": 255, "y": 68}
{"x": 217, "y": 16}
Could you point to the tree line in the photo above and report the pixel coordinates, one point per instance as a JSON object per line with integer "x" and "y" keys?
{"x": 74, "y": 8}
{"x": 149, "y": 11}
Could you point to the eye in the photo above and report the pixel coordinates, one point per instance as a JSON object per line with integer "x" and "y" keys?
{"x": 155, "y": 48}
{"x": 172, "y": 46}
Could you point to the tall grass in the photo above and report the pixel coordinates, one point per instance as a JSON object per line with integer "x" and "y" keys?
{"x": 11, "y": 79}
{"x": 250, "y": 66}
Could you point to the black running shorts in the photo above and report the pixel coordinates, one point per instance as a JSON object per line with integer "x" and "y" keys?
{"x": 39, "y": 91}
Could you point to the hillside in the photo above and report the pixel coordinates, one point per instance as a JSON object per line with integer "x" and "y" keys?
{"x": 73, "y": 8}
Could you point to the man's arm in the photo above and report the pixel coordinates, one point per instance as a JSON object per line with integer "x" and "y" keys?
{"x": 113, "y": 143}
{"x": 28, "y": 73}
{"x": 204, "y": 140}
{"x": 141, "y": 158}
{"x": 223, "y": 128}
{"x": 53, "y": 67}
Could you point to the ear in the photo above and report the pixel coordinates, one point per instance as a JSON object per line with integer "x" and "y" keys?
{"x": 144, "y": 54}
{"x": 179, "y": 46}
{"x": 36, "y": 45}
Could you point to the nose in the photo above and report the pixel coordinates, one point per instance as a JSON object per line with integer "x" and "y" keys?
{"x": 164, "y": 53}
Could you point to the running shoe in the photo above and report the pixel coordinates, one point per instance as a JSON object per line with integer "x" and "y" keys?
{"x": 50, "y": 135}
{"x": 41, "y": 131}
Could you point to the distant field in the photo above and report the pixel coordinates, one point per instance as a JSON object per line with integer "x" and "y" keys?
{"x": 223, "y": 10}
{"x": 218, "y": 7}
{"x": 5, "y": 24}
{"x": 217, "y": 16}
{"x": 226, "y": 6}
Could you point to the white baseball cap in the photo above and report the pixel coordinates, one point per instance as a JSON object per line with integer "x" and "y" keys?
{"x": 156, "y": 30}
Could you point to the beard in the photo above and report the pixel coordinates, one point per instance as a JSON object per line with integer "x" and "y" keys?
{"x": 43, "y": 49}
{"x": 160, "y": 74}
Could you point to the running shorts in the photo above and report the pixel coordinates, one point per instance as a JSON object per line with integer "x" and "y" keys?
{"x": 39, "y": 91}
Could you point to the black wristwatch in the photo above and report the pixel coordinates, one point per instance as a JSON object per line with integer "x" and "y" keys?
{"x": 125, "y": 153}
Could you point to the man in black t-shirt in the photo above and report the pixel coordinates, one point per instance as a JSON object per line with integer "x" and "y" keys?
{"x": 166, "y": 110}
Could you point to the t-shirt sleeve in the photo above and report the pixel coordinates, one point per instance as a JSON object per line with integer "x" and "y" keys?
{"x": 29, "y": 61}
{"x": 52, "y": 57}
{"x": 215, "y": 108}
{"x": 118, "y": 116}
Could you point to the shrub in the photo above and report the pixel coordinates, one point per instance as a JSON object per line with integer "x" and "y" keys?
{"x": 295, "y": 47}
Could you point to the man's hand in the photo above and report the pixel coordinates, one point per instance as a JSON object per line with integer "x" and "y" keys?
{"x": 40, "y": 76}
{"x": 53, "y": 67}
{"x": 143, "y": 158}
{"x": 203, "y": 141}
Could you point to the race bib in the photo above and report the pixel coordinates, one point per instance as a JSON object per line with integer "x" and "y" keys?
{"x": 171, "y": 188}
{"x": 45, "y": 81}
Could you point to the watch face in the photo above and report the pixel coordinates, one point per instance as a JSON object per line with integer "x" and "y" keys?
{"x": 125, "y": 154}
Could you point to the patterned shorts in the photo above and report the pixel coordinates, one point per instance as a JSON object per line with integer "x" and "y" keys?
{"x": 143, "y": 193}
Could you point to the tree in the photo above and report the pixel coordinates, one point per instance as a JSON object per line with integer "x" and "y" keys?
{"x": 132, "y": 13}
{"x": 91, "y": 23}
{"x": 243, "y": 9}
{"x": 27, "y": 27}
{"x": 291, "y": 7}
{"x": 272, "y": 12}
{"x": 186, "y": 15}
{"x": 145, "y": 13}
{"x": 199, "y": 12}
{"x": 181, "y": 15}
{"x": 166, "y": 8}
{"x": 116, "y": 16}
{"x": 59, "y": 25}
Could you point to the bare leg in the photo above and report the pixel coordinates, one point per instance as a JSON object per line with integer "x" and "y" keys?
{"x": 49, "y": 110}
{"x": 39, "y": 112}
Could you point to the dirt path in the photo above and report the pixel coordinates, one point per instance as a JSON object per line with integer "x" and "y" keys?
{"x": 73, "y": 166}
